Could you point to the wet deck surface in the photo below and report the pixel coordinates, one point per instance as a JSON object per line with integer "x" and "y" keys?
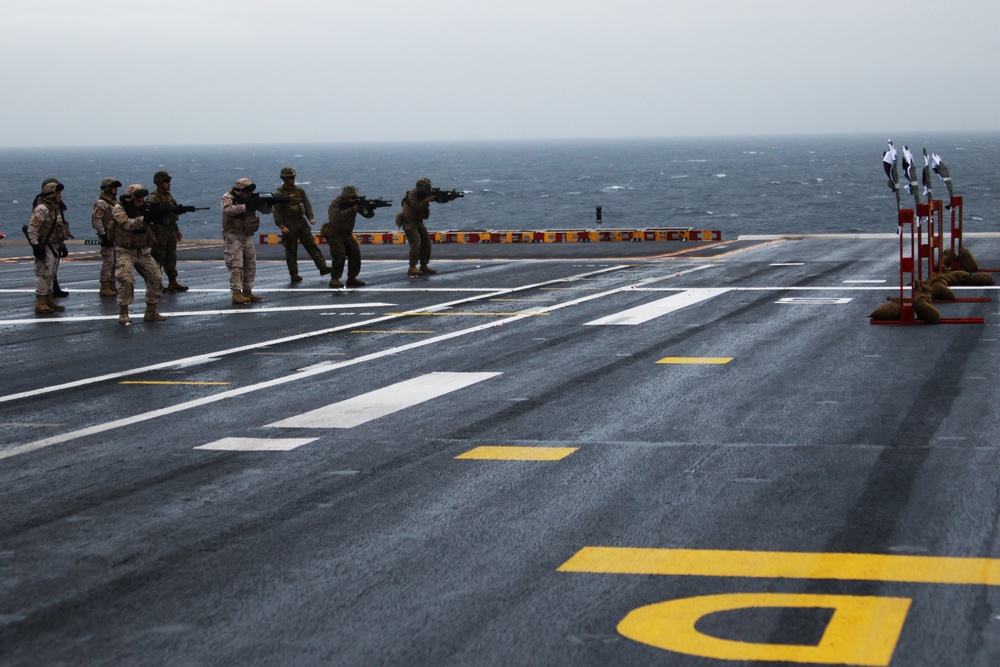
{"x": 510, "y": 462}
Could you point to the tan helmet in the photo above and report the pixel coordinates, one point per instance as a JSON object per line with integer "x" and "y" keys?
{"x": 244, "y": 185}
{"x": 135, "y": 191}
{"x": 50, "y": 186}
{"x": 287, "y": 172}
{"x": 349, "y": 191}
{"x": 109, "y": 184}
{"x": 424, "y": 184}
{"x": 160, "y": 177}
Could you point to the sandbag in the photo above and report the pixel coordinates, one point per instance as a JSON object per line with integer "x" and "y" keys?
{"x": 967, "y": 261}
{"x": 925, "y": 310}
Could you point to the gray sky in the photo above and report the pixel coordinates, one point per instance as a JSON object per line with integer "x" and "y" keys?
{"x": 199, "y": 72}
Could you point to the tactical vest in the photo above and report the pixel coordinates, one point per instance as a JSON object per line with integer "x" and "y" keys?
{"x": 128, "y": 238}
{"x": 239, "y": 223}
{"x": 53, "y": 230}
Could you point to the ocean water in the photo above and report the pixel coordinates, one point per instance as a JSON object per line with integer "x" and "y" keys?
{"x": 754, "y": 185}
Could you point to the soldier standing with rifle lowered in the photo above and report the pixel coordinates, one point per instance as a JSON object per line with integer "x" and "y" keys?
{"x": 162, "y": 212}
{"x": 293, "y": 214}
{"x": 239, "y": 223}
{"x": 102, "y": 221}
{"x": 339, "y": 233}
{"x": 132, "y": 236}
{"x": 416, "y": 209}
{"x": 46, "y": 231}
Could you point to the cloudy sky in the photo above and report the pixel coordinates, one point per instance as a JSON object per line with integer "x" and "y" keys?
{"x": 203, "y": 72}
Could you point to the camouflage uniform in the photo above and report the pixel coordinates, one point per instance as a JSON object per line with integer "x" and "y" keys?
{"x": 296, "y": 216}
{"x": 165, "y": 230}
{"x": 239, "y": 224}
{"x": 47, "y": 230}
{"x": 416, "y": 209}
{"x": 339, "y": 235}
{"x": 101, "y": 221}
{"x": 132, "y": 236}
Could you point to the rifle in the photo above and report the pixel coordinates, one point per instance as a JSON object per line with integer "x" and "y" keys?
{"x": 444, "y": 196}
{"x": 366, "y": 204}
{"x": 155, "y": 211}
{"x": 258, "y": 200}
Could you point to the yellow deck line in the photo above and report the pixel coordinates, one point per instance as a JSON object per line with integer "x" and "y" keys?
{"x": 695, "y": 360}
{"x": 504, "y": 453}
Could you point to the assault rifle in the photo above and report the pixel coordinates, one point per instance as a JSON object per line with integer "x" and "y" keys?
{"x": 367, "y": 205}
{"x": 154, "y": 212}
{"x": 258, "y": 200}
{"x": 444, "y": 196}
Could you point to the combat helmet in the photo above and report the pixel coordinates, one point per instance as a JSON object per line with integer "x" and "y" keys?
{"x": 135, "y": 191}
{"x": 50, "y": 186}
{"x": 161, "y": 177}
{"x": 349, "y": 191}
{"x": 109, "y": 184}
{"x": 424, "y": 184}
{"x": 244, "y": 185}
{"x": 287, "y": 172}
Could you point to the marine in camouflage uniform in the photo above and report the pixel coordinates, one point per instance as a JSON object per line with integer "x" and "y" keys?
{"x": 294, "y": 219}
{"x": 132, "y": 236}
{"x": 101, "y": 221}
{"x": 416, "y": 209}
{"x": 239, "y": 223}
{"x": 165, "y": 228}
{"x": 57, "y": 291}
{"x": 339, "y": 235}
{"x": 47, "y": 232}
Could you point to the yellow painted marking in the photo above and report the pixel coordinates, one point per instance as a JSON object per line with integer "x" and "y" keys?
{"x": 389, "y": 331}
{"x": 518, "y": 453}
{"x": 421, "y": 312}
{"x": 165, "y": 382}
{"x": 695, "y": 360}
{"x": 786, "y": 565}
{"x": 862, "y": 630}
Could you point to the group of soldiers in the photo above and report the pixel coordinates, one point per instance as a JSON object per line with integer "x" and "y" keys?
{"x": 138, "y": 233}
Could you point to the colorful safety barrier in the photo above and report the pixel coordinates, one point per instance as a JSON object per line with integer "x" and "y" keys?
{"x": 543, "y": 236}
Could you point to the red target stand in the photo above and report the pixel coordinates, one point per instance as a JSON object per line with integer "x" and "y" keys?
{"x": 911, "y": 251}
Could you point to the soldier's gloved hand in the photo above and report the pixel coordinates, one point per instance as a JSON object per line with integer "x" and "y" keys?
{"x": 39, "y": 252}
{"x": 63, "y": 252}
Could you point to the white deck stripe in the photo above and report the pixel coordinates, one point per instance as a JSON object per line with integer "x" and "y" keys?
{"x": 649, "y": 311}
{"x": 381, "y": 402}
{"x": 257, "y": 444}
{"x": 245, "y": 310}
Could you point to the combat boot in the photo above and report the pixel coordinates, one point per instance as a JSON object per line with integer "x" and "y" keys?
{"x": 253, "y": 297}
{"x": 53, "y": 305}
{"x": 151, "y": 314}
{"x": 174, "y": 286}
{"x": 354, "y": 282}
{"x": 413, "y": 271}
{"x": 325, "y": 270}
{"x": 123, "y": 317}
{"x": 108, "y": 288}
{"x": 335, "y": 282}
{"x": 42, "y": 305}
{"x": 240, "y": 299}
{"x": 426, "y": 270}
